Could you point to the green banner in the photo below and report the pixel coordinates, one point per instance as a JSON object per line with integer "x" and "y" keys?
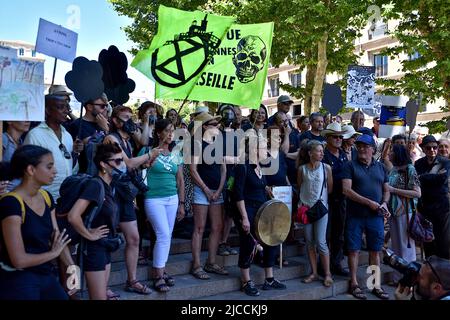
{"x": 207, "y": 58}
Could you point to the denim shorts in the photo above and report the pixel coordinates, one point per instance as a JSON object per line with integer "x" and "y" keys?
{"x": 200, "y": 197}
{"x": 373, "y": 226}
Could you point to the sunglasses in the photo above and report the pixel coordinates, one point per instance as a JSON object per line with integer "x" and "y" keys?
{"x": 101, "y": 105}
{"x": 117, "y": 161}
{"x": 213, "y": 124}
{"x": 428, "y": 262}
{"x": 428, "y": 148}
{"x": 64, "y": 151}
{"x": 338, "y": 137}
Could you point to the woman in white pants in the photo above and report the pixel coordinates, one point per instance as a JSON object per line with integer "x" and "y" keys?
{"x": 164, "y": 202}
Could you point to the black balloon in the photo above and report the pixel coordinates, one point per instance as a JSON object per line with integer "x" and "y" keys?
{"x": 85, "y": 79}
{"x": 332, "y": 98}
{"x": 117, "y": 85}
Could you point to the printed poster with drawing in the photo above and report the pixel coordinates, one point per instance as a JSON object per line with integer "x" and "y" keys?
{"x": 361, "y": 87}
{"x": 284, "y": 194}
{"x": 21, "y": 88}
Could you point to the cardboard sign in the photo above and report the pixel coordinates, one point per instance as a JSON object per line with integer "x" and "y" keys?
{"x": 21, "y": 88}
{"x": 361, "y": 87}
{"x": 56, "y": 41}
{"x": 284, "y": 194}
{"x": 393, "y": 116}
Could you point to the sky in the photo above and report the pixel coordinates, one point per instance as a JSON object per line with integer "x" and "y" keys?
{"x": 98, "y": 26}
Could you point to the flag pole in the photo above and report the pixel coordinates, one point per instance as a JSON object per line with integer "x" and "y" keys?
{"x": 54, "y": 72}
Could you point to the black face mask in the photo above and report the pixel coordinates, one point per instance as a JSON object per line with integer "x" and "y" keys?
{"x": 129, "y": 127}
{"x": 227, "y": 117}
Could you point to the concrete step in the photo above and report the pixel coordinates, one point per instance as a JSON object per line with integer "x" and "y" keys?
{"x": 297, "y": 290}
{"x": 187, "y": 287}
{"x": 180, "y": 264}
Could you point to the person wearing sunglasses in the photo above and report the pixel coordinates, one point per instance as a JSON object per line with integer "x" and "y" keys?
{"x": 94, "y": 120}
{"x": 434, "y": 172}
{"x": 53, "y": 136}
{"x": 432, "y": 283}
{"x": 97, "y": 258}
{"x": 209, "y": 180}
{"x": 336, "y": 158}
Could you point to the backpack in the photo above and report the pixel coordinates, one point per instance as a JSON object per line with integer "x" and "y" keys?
{"x": 86, "y": 159}
{"x": 70, "y": 192}
{"x": 22, "y": 203}
{"x": 22, "y": 208}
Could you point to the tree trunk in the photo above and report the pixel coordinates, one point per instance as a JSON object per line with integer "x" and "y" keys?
{"x": 321, "y": 71}
{"x": 309, "y": 82}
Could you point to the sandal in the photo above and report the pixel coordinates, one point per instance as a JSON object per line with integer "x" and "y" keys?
{"x": 215, "y": 268}
{"x": 137, "y": 287}
{"x": 110, "y": 295}
{"x": 380, "y": 293}
{"x": 311, "y": 278}
{"x": 328, "y": 281}
{"x": 199, "y": 273}
{"x": 356, "y": 291}
{"x": 170, "y": 281}
{"x": 160, "y": 285}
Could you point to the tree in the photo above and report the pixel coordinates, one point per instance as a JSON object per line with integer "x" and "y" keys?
{"x": 313, "y": 34}
{"x": 423, "y": 31}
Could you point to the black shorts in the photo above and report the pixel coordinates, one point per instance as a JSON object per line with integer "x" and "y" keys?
{"x": 127, "y": 212}
{"x": 97, "y": 257}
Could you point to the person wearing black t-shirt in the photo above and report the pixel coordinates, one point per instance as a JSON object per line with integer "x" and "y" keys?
{"x": 29, "y": 235}
{"x": 208, "y": 171}
{"x": 251, "y": 192}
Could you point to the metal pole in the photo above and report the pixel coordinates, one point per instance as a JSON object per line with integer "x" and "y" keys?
{"x": 281, "y": 256}
{"x": 54, "y": 71}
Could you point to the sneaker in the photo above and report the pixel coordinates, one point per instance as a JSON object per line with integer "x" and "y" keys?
{"x": 223, "y": 250}
{"x": 249, "y": 288}
{"x": 232, "y": 251}
{"x": 275, "y": 284}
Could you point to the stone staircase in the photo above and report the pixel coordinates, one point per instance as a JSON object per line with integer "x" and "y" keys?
{"x": 228, "y": 287}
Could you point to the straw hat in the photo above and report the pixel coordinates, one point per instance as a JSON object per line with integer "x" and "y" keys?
{"x": 205, "y": 117}
{"x": 333, "y": 128}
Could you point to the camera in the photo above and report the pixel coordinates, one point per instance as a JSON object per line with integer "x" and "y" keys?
{"x": 152, "y": 120}
{"x": 409, "y": 270}
{"x": 138, "y": 182}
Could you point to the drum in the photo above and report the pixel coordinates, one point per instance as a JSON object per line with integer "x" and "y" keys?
{"x": 272, "y": 223}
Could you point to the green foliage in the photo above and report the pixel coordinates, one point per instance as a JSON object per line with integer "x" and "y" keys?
{"x": 299, "y": 25}
{"x": 424, "y": 27}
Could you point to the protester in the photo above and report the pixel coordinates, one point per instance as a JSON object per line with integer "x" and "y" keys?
{"x": 164, "y": 202}
{"x": 121, "y": 131}
{"x": 444, "y": 148}
{"x": 13, "y": 137}
{"x": 376, "y": 126}
{"x": 434, "y": 171}
{"x": 284, "y": 104}
{"x": 316, "y": 121}
{"x": 209, "y": 181}
{"x": 432, "y": 283}
{"x": 414, "y": 151}
{"x": 336, "y": 159}
{"x": 357, "y": 120}
{"x": 315, "y": 181}
{"x": 251, "y": 190}
{"x": 257, "y": 119}
{"x": 303, "y": 124}
{"x": 365, "y": 184}
{"x": 172, "y": 116}
{"x": 52, "y": 135}
{"x": 348, "y": 142}
{"x": 404, "y": 188}
{"x": 96, "y": 257}
{"x": 29, "y": 235}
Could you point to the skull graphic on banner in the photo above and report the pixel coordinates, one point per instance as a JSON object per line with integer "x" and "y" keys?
{"x": 249, "y": 58}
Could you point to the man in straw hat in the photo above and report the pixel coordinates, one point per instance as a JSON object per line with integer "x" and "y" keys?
{"x": 336, "y": 158}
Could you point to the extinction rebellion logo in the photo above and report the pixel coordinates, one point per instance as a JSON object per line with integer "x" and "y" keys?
{"x": 184, "y": 58}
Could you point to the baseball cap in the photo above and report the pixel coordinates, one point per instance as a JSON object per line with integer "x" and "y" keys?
{"x": 428, "y": 139}
{"x": 284, "y": 98}
{"x": 366, "y": 139}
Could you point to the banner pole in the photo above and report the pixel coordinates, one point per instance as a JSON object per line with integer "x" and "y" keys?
{"x": 1, "y": 141}
{"x": 54, "y": 71}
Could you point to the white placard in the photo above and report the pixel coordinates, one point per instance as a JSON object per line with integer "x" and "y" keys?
{"x": 284, "y": 194}
{"x": 361, "y": 87}
{"x": 21, "y": 88}
{"x": 56, "y": 41}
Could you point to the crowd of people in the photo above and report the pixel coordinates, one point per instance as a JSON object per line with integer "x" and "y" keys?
{"x": 140, "y": 166}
